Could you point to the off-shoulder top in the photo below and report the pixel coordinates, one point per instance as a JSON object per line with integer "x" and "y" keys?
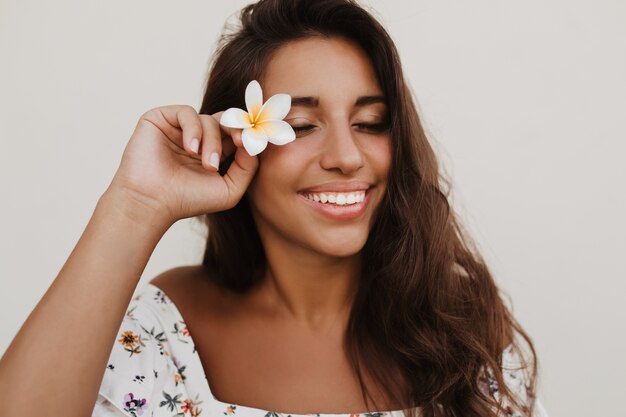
{"x": 154, "y": 370}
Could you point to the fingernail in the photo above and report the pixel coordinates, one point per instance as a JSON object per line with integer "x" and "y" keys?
{"x": 195, "y": 143}
{"x": 214, "y": 160}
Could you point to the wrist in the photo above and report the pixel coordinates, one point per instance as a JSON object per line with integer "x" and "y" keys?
{"x": 133, "y": 210}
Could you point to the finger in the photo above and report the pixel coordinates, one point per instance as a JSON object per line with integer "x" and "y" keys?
{"x": 240, "y": 174}
{"x": 231, "y": 132}
{"x": 228, "y": 147}
{"x": 211, "y": 152}
{"x": 179, "y": 118}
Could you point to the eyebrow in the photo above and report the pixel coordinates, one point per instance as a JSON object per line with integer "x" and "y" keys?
{"x": 310, "y": 101}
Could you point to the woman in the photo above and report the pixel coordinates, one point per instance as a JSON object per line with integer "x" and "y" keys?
{"x": 302, "y": 304}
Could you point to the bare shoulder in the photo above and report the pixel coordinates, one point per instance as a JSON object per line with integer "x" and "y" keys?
{"x": 174, "y": 278}
{"x": 187, "y": 284}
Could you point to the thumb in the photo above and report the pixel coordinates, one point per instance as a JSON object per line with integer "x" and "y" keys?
{"x": 240, "y": 173}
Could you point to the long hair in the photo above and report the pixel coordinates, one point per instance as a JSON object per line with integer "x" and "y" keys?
{"x": 427, "y": 318}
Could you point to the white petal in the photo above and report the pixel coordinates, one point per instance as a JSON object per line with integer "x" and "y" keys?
{"x": 235, "y": 117}
{"x": 254, "y": 98}
{"x": 276, "y": 108}
{"x": 254, "y": 140}
{"x": 278, "y": 132}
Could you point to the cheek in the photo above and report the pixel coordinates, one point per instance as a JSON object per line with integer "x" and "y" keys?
{"x": 280, "y": 168}
{"x": 379, "y": 154}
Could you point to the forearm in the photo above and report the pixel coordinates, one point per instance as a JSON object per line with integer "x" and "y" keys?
{"x": 56, "y": 361}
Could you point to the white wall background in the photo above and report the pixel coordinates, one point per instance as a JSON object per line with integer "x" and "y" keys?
{"x": 524, "y": 101}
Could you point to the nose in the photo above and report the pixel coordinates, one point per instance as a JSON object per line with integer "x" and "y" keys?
{"x": 341, "y": 151}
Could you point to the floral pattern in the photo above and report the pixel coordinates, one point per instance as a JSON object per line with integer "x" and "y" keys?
{"x": 134, "y": 406}
{"x": 132, "y": 343}
{"x": 154, "y": 371}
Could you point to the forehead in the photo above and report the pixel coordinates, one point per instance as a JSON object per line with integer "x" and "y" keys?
{"x": 330, "y": 68}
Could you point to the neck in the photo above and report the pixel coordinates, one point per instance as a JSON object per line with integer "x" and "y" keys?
{"x": 313, "y": 289}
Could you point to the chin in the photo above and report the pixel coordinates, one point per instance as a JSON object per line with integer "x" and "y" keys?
{"x": 341, "y": 247}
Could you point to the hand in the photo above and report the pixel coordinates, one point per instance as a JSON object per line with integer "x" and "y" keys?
{"x": 160, "y": 170}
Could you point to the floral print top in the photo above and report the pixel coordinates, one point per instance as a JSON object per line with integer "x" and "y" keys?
{"x": 154, "y": 370}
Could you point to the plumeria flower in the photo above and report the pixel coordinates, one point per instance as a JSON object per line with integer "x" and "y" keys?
{"x": 262, "y": 123}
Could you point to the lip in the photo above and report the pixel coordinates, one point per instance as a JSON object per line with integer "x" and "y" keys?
{"x": 338, "y": 186}
{"x": 335, "y": 212}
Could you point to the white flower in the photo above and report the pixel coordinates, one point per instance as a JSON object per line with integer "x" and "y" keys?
{"x": 263, "y": 121}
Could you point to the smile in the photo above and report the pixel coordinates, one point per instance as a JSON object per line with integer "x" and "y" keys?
{"x": 338, "y": 206}
{"x": 337, "y": 198}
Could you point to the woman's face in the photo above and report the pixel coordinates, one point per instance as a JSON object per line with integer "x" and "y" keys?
{"x": 338, "y": 154}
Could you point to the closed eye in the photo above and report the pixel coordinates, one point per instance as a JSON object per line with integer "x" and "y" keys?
{"x": 372, "y": 127}
{"x": 302, "y": 128}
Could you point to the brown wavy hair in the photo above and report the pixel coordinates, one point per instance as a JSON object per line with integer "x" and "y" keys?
{"x": 427, "y": 318}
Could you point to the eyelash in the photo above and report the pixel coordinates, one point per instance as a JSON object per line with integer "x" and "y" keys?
{"x": 375, "y": 128}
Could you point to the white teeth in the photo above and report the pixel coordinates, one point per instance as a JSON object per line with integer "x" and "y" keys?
{"x": 339, "y": 199}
